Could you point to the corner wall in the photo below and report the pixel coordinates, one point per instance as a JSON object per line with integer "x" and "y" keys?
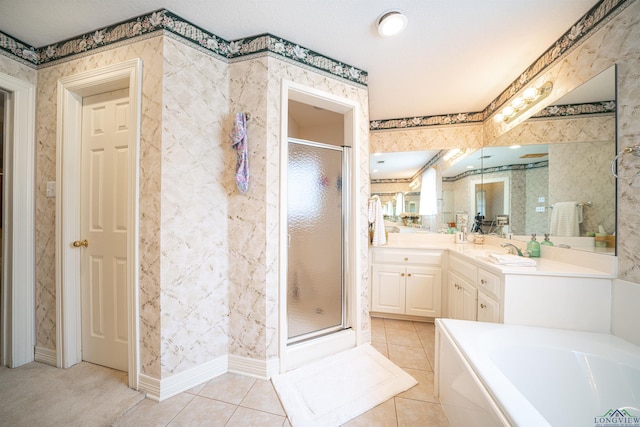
{"x": 256, "y": 275}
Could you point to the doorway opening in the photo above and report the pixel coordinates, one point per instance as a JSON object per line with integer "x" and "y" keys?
{"x": 317, "y": 198}
{"x": 17, "y": 287}
{"x": 70, "y": 243}
{"x": 319, "y": 308}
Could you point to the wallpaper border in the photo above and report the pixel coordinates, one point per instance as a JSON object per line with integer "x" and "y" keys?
{"x": 167, "y": 22}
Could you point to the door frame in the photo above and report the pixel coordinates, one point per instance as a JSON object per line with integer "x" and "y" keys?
{"x": 71, "y": 90}
{"x": 302, "y": 353}
{"x": 18, "y": 302}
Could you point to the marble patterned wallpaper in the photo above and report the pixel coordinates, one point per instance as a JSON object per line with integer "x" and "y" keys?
{"x": 150, "y": 50}
{"x": 537, "y": 185}
{"x": 581, "y": 172}
{"x": 428, "y": 138}
{"x": 249, "y": 268}
{"x": 255, "y": 87}
{"x": 590, "y": 128}
{"x": 195, "y": 181}
{"x": 16, "y": 69}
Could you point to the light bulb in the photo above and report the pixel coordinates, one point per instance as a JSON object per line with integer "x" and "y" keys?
{"x": 508, "y": 111}
{"x": 391, "y": 23}
{"x": 530, "y": 94}
{"x": 518, "y": 103}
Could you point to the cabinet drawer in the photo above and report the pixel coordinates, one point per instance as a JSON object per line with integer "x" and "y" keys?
{"x": 463, "y": 268}
{"x": 390, "y": 256}
{"x": 489, "y": 282}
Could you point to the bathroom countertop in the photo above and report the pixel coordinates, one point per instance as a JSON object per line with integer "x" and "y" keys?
{"x": 554, "y": 261}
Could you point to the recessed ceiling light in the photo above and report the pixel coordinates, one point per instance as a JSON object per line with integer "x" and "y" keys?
{"x": 391, "y": 23}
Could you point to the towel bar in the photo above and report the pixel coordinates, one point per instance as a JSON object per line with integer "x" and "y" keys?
{"x": 588, "y": 204}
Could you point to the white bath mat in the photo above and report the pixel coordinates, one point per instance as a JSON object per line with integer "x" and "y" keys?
{"x": 334, "y": 390}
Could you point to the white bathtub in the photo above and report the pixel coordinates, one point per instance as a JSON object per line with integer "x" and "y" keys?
{"x": 489, "y": 374}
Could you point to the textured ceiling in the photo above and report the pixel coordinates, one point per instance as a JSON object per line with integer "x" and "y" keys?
{"x": 454, "y": 56}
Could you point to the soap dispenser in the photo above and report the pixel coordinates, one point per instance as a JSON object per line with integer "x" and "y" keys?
{"x": 546, "y": 241}
{"x": 533, "y": 247}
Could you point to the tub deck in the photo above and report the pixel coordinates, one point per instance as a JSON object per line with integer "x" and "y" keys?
{"x": 494, "y": 374}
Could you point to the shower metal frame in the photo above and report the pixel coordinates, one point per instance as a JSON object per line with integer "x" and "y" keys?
{"x": 345, "y": 215}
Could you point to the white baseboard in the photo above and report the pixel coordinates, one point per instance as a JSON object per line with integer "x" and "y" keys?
{"x": 263, "y": 369}
{"x": 165, "y": 388}
{"x": 160, "y": 390}
{"x": 45, "y": 355}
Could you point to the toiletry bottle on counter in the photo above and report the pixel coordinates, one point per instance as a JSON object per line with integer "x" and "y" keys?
{"x": 546, "y": 241}
{"x": 533, "y": 247}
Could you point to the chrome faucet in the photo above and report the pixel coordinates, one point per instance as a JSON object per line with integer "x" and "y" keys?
{"x": 511, "y": 248}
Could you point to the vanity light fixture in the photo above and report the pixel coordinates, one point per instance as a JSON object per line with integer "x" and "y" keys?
{"x": 522, "y": 103}
{"x": 391, "y": 23}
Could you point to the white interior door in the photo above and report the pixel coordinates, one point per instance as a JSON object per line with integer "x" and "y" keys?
{"x": 103, "y": 240}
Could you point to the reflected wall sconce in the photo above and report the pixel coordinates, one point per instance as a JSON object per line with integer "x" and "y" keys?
{"x": 530, "y": 97}
{"x": 452, "y": 154}
{"x": 391, "y": 23}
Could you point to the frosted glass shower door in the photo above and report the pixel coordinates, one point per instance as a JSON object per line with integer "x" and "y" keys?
{"x": 315, "y": 285}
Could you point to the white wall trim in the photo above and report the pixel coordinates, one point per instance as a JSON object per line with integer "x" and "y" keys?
{"x": 71, "y": 90}
{"x": 18, "y": 323}
{"x": 45, "y": 355}
{"x": 263, "y": 369}
{"x": 160, "y": 390}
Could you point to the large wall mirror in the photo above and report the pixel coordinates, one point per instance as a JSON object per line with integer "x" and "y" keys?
{"x": 548, "y": 175}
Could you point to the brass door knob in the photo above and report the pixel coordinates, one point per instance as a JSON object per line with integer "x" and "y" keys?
{"x": 80, "y": 243}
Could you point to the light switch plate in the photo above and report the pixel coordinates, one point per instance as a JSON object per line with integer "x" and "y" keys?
{"x": 539, "y": 208}
{"x": 51, "y": 189}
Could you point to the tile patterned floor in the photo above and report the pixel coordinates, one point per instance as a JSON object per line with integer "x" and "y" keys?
{"x": 234, "y": 400}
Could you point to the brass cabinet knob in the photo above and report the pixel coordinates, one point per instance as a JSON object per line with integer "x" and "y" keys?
{"x": 406, "y": 259}
{"x": 483, "y": 306}
{"x": 409, "y": 274}
{"x": 402, "y": 274}
{"x": 80, "y": 243}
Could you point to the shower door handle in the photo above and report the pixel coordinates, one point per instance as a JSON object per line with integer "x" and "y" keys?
{"x": 288, "y": 240}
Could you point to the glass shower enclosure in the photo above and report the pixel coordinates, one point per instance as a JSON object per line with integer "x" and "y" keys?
{"x": 317, "y": 208}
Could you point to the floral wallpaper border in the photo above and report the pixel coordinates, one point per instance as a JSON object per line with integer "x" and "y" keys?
{"x": 164, "y": 20}
{"x": 590, "y": 21}
{"x": 576, "y": 109}
{"x": 504, "y": 168}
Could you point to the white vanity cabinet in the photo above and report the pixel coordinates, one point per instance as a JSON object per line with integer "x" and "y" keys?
{"x": 462, "y": 296}
{"x": 406, "y": 282}
{"x": 462, "y": 293}
{"x": 489, "y": 296}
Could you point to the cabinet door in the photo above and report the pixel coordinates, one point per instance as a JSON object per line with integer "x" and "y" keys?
{"x": 469, "y": 301}
{"x": 488, "y": 309}
{"x": 454, "y": 297}
{"x": 388, "y": 289}
{"x": 423, "y": 291}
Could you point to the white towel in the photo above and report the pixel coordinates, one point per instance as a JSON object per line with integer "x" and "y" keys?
{"x": 565, "y": 219}
{"x": 512, "y": 260}
{"x": 376, "y": 218}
